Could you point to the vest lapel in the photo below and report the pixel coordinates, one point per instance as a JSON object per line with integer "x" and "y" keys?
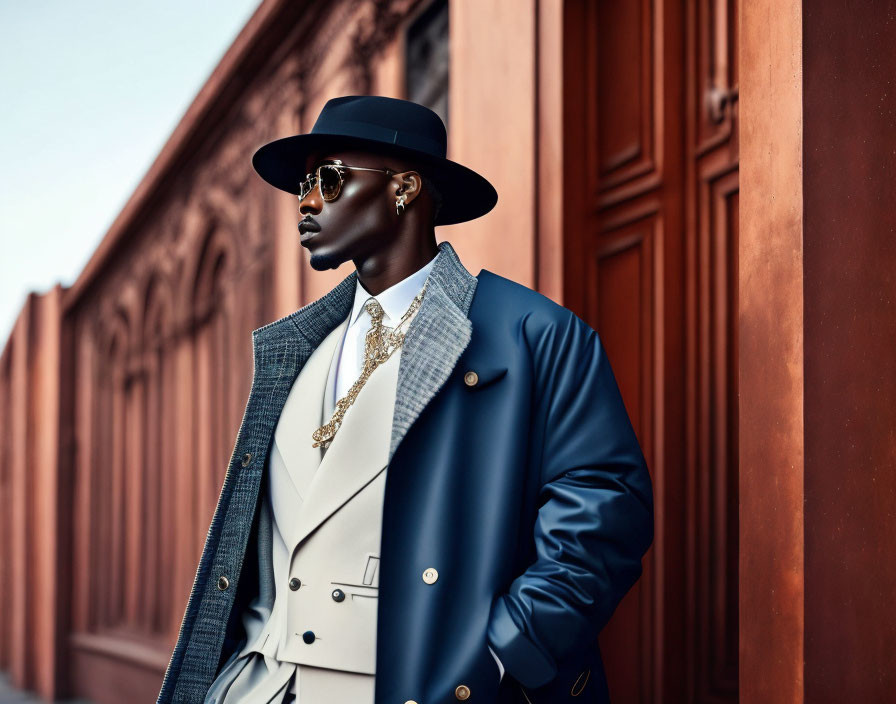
{"x": 358, "y": 453}
{"x": 301, "y": 413}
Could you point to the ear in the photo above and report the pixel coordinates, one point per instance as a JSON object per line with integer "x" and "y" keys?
{"x": 411, "y": 185}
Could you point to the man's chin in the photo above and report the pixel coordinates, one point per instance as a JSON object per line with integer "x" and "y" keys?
{"x": 324, "y": 261}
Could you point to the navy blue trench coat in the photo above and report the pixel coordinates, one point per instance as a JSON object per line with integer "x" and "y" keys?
{"x": 523, "y": 485}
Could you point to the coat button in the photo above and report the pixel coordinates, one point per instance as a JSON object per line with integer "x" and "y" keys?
{"x": 410, "y": 701}
{"x": 338, "y": 595}
{"x": 430, "y": 575}
{"x": 223, "y": 582}
{"x": 295, "y": 583}
{"x": 247, "y": 458}
{"x": 308, "y": 636}
{"x": 462, "y": 692}
{"x": 471, "y": 378}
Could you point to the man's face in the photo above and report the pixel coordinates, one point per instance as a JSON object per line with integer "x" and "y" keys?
{"x": 361, "y": 220}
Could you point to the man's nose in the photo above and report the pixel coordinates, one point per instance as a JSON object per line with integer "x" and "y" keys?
{"x": 311, "y": 203}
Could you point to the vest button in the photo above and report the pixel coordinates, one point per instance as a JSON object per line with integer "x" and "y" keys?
{"x": 462, "y": 692}
{"x": 223, "y": 582}
{"x": 247, "y": 458}
{"x": 295, "y": 583}
{"x": 308, "y": 636}
{"x": 430, "y": 575}
{"x": 338, "y": 595}
{"x": 471, "y": 378}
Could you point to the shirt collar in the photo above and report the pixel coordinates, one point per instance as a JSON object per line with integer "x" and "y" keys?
{"x": 396, "y": 299}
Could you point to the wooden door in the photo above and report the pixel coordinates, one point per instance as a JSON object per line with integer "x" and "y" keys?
{"x": 650, "y": 197}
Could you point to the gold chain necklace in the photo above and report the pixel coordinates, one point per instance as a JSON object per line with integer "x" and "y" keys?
{"x": 379, "y": 344}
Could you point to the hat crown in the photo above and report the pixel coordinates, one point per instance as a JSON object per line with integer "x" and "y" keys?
{"x": 402, "y": 128}
{"x": 391, "y": 121}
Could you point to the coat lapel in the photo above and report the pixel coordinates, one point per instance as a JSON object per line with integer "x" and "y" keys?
{"x": 436, "y": 337}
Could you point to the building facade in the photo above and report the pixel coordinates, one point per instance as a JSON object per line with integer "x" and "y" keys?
{"x": 613, "y": 132}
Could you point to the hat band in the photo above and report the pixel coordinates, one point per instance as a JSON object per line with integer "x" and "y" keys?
{"x": 365, "y": 130}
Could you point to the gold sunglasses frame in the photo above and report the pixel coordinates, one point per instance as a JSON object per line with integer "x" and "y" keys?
{"x": 338, "y": 166}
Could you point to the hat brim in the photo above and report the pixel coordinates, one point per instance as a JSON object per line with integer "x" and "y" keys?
{"x": 466, "y": 195}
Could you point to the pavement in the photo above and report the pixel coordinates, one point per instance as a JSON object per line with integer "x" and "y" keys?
{"x": 11, "y": 695}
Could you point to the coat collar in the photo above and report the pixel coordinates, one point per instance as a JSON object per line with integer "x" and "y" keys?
{"x": 435, "y": 339}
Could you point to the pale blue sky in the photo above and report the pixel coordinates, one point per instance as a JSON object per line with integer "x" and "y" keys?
{"x": 89, "y": 93}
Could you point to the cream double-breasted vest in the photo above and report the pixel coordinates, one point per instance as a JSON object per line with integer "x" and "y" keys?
{"x": 323, "y": 520}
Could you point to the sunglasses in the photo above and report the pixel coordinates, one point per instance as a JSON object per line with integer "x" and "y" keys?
{"x": 330, "y": 177}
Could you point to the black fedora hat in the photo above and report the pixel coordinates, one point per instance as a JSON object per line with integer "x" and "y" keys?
{"x": 400, "y": 127}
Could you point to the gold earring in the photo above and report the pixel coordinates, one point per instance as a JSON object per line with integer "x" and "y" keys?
{"x": 399, "y": 203}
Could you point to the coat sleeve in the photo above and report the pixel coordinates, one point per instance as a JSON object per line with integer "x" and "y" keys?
{"x": 595, "y": 517}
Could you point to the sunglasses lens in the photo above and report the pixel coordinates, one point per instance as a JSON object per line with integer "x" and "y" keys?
{"x": 330, "y": 182}
{"x": 305, "y": 187}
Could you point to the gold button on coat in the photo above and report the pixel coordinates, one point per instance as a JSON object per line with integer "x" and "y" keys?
{"x": 430, "y": 575}
{"x": 223, "y": 582}
{"x": 470, "y": 378}
{"x": 462, "y": 692}
{"x": 247, "y": 458}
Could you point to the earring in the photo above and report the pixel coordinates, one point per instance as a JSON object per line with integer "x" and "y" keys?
{"x": 399, "y": 203}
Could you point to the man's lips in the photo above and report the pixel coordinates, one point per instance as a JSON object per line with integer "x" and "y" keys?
{"x": 306, "y": 226}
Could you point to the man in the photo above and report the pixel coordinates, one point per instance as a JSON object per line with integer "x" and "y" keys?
{"x": 436, "y": 493}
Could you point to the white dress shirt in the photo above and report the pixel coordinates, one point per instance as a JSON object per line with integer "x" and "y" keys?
{"x": 395, "y": 301}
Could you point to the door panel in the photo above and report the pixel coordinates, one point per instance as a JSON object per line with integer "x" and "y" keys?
{"x": 650, "y": 186}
